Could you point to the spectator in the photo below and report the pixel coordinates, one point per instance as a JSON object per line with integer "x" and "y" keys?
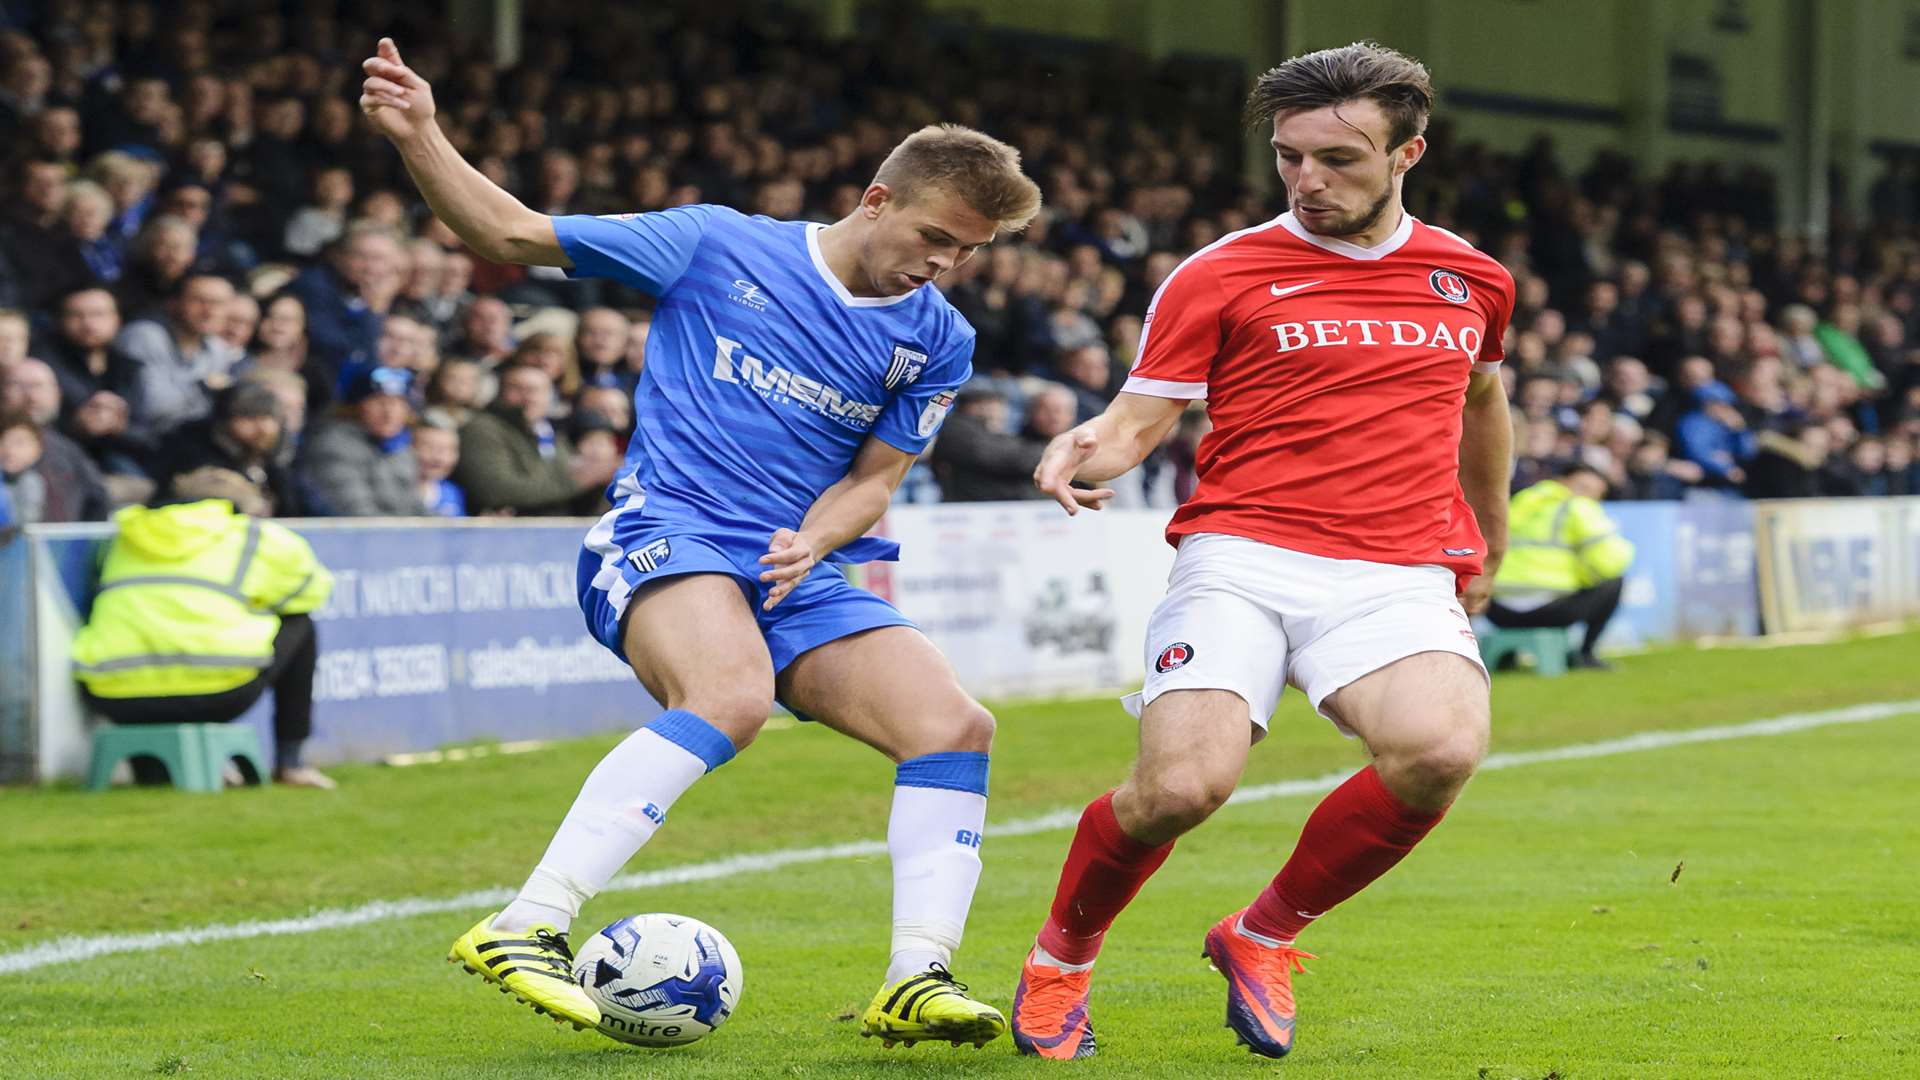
{"x": 244, "y": 437}
{"x": 1865, "y": 470}
{"x": 1652, "y": 474}
{"x": 321, "y": 221}
{"x": 608, "y": 403}
{"x": 20, "y": 452}
{"x": 1903, "y": 471}
{"x": 1789, "y": 464}
{"x": 552, "y": 354}
{"x": 240, "y": 321}
{"x": 72, "y": 488}
{"x": 1050, "y": 412}
{"x": 453, "y": 392}
{"x": 360, "y": 463}
{"x": 291, "y": 392}
{"x": 280, "y": 341}
{"x": 1839, "y": 339}
{"x": 1088, "y": 372}
{"x": 486, "y": 331}
{"x": 1566, "y": 561}
{"x": 163, "y": 255}
{"x": 600, "y": 344}
{"x": 88, "y": 212}
{"x": 1714, "y": 436}
{"x": 1798, "y": 342}
{"x": 176, "y": 636}
{"x": 512, "y": 459}
{"x": 974, "y": 457}
{"x": 437, "y": 449}
{"x": 1630, "y": 389}
{"x": 42, "y": 261}
{"x": 178, "y": 361}
{"x": 95, "y": 385}
{"x": 406, "y": 342}
{"x": 347, "y": 297}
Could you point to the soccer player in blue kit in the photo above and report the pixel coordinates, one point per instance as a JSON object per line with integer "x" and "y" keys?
{"x": 794, "y": 373}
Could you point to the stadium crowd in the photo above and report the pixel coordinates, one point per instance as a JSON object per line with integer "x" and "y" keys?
{"x": 207, "y": 259}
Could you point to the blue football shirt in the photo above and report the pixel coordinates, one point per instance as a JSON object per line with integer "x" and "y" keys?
{"x": 764, "y": 375}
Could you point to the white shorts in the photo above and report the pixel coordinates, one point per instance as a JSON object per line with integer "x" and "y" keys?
{"x": 1250, "y": 617}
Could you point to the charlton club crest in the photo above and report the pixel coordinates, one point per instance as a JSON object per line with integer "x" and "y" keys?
{"x": 1449, "y": 286}
{"x": 1173, "y": 656}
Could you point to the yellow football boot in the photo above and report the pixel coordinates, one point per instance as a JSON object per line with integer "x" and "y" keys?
{"x": 930, "y": 1005}
{"x": 534, "y": 965}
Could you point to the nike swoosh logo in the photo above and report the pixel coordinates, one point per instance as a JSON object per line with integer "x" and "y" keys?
{"x": 1291, "y": 289}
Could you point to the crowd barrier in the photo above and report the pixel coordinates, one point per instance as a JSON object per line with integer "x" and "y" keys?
{"x": 447, "y": 632}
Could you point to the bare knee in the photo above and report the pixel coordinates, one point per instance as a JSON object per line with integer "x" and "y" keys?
{"x": 1158, "y": 807}
{"x": 964, "y": 727}
{"x": 972, "y": 729}
{"x": 1428, "y": 773}
{"x": 738, "y": 714}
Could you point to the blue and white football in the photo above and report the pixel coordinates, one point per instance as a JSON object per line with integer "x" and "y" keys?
{"x": 660, "y": 980}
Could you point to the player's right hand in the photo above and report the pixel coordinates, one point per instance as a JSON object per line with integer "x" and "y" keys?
{"x": 1062, "y": 459}
{"x": 398, "y": 102}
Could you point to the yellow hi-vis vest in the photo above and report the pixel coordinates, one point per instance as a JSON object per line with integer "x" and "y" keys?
{"x": 190, "y": 600}
{"x": 1559, "y": 542}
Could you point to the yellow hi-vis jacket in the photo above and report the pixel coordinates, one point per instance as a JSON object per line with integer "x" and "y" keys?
{"x": 1559, "y": 542}
{"x": 190, "y": 600}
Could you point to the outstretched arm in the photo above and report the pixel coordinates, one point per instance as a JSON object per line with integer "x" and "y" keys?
{"x": 1104, "y": 447}
{"x": 1486, "y": 464}
{"x": 493, "y": 223}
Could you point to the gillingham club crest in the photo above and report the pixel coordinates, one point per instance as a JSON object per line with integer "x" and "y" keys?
{"x": 905, "y": 366}
{"x": 1173, "y": 656}
{"x": 1448, "y": 285}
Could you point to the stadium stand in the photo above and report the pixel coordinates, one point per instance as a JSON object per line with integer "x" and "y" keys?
{"x": 1665, "y": 335}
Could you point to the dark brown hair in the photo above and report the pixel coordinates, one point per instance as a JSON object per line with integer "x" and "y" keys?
{"x": 980, "y": 170}
{"x": 1396, "y": 82}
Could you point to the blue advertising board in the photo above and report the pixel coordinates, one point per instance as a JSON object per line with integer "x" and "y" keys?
{"x": 438, "y": 634}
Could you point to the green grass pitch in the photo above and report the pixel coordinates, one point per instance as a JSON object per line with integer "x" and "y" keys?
{"x": 1540, "y": 932}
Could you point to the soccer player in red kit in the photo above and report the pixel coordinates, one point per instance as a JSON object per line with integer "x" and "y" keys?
{"x": 1350, "y": 512}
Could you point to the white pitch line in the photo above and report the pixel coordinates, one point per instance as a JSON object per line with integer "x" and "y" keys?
{"x": 68, "y": 950}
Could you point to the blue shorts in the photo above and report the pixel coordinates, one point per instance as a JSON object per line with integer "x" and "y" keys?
{"x": 627, "y": 550}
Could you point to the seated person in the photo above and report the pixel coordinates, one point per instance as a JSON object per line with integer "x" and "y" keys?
{"x": 1566, "y": 560}
{"x": 437, "y": 450}
{"x": 202, "y": 607}
{"x": 359, "y": 463}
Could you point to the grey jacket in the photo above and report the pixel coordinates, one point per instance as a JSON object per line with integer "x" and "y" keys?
{"x": 169, "y": 385}
{"x": 347, "y": 474}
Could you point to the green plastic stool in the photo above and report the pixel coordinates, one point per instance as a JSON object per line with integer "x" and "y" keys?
{"x": 1546, "y": 645}
{"x": 192, "y": 753}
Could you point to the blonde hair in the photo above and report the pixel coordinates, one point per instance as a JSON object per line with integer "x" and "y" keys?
{"x": 978, "y": 168}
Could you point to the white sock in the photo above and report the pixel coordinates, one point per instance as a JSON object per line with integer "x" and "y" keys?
{"x": 1043, "y": 958}
{"x": 1240, "y": 927}
{"x": 939, "y": 812}
{"x": 624, "y": 800}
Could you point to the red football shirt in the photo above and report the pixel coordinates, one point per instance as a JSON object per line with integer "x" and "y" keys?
{"x": 1335, "y": 377}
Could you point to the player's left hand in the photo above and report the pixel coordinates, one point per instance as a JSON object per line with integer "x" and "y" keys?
{"x": 791, "y": 557}
{"x": 1479, "y": 593}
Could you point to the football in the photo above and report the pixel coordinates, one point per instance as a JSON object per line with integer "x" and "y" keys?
{"x": 660, "y": 980}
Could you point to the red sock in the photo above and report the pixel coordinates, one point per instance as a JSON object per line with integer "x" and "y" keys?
{"x": 1105, "y": 868}
{"x": 1358, "y": 832}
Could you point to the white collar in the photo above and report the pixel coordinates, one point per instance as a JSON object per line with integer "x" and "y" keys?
{"x": 839, "y": 287}
{"x": 1352, "y": 251}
